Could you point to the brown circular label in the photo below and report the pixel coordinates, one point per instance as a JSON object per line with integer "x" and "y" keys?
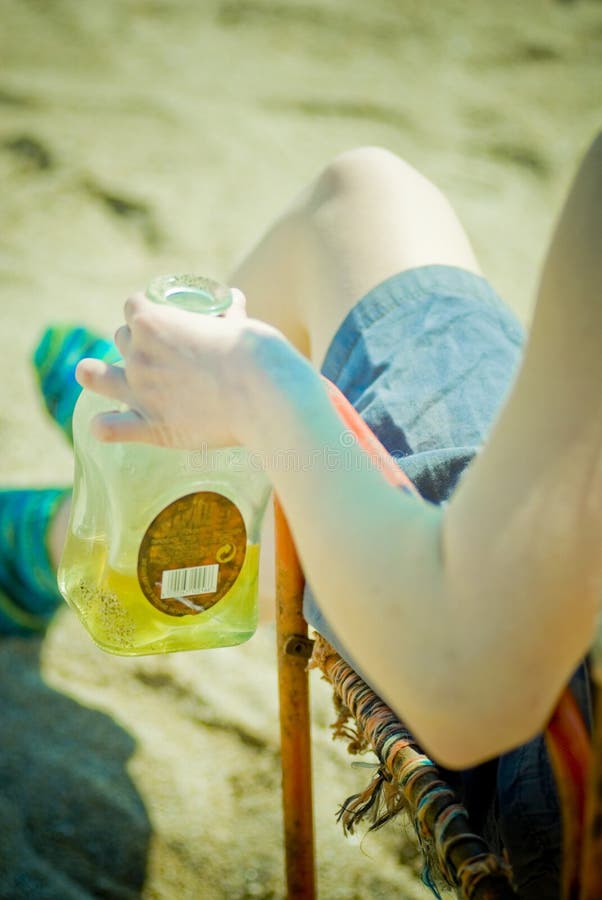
{"x": 191, "y": 553}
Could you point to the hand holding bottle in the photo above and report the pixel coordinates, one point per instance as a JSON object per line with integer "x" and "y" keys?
{"x": 162, "y": 550}
{"x": 184, "y": 378}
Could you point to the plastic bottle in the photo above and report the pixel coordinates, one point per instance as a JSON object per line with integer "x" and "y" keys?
{"x": 162, "y": 551}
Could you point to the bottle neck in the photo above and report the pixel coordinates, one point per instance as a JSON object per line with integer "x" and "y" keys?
{"x": 191, "y": 292}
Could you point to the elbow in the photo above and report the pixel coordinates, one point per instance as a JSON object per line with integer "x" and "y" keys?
{"x": 481, "y": 721}
{"x": 471, "y": 745}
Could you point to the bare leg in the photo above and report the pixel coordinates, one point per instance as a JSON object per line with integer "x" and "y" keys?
{"x": 368, "y": 216}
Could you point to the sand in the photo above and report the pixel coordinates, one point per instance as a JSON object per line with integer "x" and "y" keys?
{"x": 139, "y": 137}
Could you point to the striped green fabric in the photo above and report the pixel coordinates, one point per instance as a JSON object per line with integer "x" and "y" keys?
{"x": 28, "y": 590}
{"x": 55, "y": 359}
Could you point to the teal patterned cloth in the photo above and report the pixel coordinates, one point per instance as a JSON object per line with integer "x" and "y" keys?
{"x": 28, "y": 590}
{"x": 55, "y": 360}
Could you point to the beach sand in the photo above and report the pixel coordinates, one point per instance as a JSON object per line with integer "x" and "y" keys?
{"x": 139, "y": 137}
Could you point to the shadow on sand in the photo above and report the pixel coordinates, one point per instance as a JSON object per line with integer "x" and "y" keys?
{"x": 72, "y": 824}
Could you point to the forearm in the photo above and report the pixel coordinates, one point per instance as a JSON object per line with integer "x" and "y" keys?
{"x": 369, "y": 550}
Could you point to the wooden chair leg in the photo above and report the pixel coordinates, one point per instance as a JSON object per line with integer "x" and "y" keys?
{"x": 294, "y": 650}
{"x": 569, "y": 749}
{"x": 591, "y": 871}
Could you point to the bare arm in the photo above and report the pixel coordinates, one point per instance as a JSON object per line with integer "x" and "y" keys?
{"x": 471, "y": 625}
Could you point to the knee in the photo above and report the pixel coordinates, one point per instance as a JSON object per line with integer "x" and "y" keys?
{"x": 361, "y": 172}
{"x": 355, "y": 170}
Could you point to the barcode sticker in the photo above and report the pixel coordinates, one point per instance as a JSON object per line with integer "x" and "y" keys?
{"x": 186, "y": 582}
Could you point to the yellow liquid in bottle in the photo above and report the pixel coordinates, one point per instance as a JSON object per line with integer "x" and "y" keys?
{"x": 122, "y": 620}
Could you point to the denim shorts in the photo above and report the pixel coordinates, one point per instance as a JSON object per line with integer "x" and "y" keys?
{"x": 427, "y": 358}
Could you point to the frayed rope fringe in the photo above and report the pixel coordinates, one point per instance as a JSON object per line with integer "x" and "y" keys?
{"x": 406, "y": 781}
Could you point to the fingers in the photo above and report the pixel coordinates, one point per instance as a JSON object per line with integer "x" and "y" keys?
{"x": 98, "y": 376}
{"x": 238, "y": 309}
{"x": 123, "y": 339}
{"x": 109, "y": 381}
{"x": 123, "y": 427}
{"x": 135, "y": 305}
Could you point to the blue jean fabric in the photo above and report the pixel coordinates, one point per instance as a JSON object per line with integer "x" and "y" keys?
{"x": 427, "y": 358}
